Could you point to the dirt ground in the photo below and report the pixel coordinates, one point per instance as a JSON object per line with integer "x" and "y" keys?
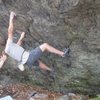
{"x": 24, "y": 92}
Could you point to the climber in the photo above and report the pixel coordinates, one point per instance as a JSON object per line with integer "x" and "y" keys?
{"x": 17, "y": 52}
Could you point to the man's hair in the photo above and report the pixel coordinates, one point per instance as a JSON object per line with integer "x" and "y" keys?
{"x": 3, "y": 52}
{"x": 2, "y": 41}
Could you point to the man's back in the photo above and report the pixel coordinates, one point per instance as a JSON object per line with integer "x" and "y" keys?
{"x": 14, "y": 50}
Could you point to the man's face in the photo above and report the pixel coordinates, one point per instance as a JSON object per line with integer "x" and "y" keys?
{"x": 1, "y": 56}
{"x": 2, "y": 41}
{"x": 1, "y": 49}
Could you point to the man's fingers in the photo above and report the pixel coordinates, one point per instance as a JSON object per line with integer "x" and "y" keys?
{"x": 23, "y": 33}
{"x": 13, "y": 13}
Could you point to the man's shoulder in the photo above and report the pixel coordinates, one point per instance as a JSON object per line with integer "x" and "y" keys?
{"x": 9, "y": 40}
{"x": 8, "y": 43}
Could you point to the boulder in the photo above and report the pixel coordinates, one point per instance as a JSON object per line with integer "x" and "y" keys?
{"x": 61, "y": 23}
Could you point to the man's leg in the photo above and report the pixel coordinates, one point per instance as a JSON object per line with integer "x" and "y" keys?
{"x": 49, "y": 72}
{"x": 47, "y": 47}
{"x": 43, "y": 66}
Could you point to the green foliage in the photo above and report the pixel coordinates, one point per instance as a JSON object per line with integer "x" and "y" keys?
{"x": 97, "y": 98}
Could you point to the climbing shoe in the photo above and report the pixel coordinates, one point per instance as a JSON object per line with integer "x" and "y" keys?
{"x": 66, "y": 52}
{"x": 51, "y": 75}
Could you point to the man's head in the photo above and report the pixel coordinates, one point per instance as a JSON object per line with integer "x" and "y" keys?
{"x": 2, "y": 41}
{"x": 3, "y": 56}
{"x": 2, "y": 53}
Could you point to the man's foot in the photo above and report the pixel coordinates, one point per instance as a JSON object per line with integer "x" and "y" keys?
{"x": 12, "y": 15}
{"x": 66, "y": 52}
{"x": 51, "y": 74}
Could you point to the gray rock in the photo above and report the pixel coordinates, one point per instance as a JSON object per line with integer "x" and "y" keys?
{"x": 39, "y": 96}
{"x": 7, "y": 98}
{"x": 61, "y": 23}
{"x": 65, "y": 97}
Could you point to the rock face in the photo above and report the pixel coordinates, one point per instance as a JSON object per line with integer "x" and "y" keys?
{"x": 61, "y": 23}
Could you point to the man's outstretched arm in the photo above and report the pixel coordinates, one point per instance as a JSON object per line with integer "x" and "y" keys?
{"x": 11, "y": 26}
{"x": 21, "y": 38}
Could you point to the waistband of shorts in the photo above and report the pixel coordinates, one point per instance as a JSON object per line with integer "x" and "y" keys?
{"x": 22, "y": 55}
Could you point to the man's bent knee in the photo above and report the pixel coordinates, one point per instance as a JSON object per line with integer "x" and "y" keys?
{"x": 43, "y": 46}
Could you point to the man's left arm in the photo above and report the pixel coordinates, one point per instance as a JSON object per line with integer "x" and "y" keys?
{"x": 19, "y": 42}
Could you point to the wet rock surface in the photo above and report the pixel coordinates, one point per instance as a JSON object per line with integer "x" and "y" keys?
{"x": 61, "y": 23}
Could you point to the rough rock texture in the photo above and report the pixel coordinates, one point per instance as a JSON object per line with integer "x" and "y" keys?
{"x": 61, "y": 23}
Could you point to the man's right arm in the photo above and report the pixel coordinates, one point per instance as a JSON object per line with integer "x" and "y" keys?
{"x": 10, "y": 28}
{"x": 19, "y": 42}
